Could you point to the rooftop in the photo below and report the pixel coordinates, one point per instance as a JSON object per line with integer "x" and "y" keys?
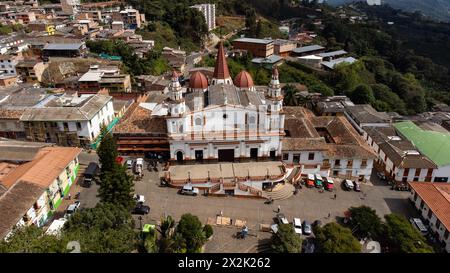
{"x": 331, "y": 64}
{"x": 254, "y": 40}
{"x": 68, "y": 108}
{"x": 435, "y": 145}
{"x": 365, "y": 113}
{"x": 305, "y": 49}
{"x": 68, "y": 46}
{"x": 437, "y": 198}
{"x": 332, "y": 53}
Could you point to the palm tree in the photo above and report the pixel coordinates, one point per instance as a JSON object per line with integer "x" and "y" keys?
{"x": 290, "y": 95}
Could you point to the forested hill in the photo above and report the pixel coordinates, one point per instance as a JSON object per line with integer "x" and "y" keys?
{"x": 437, "y": 9}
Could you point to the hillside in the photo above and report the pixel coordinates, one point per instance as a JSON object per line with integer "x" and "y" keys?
{"x": 437, "y": 9}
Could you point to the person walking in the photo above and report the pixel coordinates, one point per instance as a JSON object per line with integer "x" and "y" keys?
{"x": 329, "y": 214}
{"x": 279, "y": 208}
{"x": 335, "y": 195}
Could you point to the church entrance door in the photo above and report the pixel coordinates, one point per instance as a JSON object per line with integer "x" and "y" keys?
{"x": 226, "y": 155}
{"x": 180, "y": 156}
{"x": 254, "y": 153}
{"x": 199, "y": 155}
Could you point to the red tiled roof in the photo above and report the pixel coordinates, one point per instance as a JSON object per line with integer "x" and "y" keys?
{"x": 198, "y": 81}
{"x": 437, "y": 198}
{"x": 221, "y": 68}
{"x": 243, "y": 80}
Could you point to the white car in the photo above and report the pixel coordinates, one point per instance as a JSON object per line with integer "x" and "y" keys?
{"x": 72, "y": 209}
{"x": 139, "y": 198}
{"x": 129, "y": 163}
{"x": 297, "y": 223}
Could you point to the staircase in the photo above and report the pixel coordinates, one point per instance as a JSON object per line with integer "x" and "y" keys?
{"x": 280, "y": 192}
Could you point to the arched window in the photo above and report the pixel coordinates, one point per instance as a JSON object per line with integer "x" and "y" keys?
{"x": 251, "y": 120}
{"x": 198, "y": 121}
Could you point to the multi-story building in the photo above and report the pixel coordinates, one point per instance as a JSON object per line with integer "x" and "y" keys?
{"x": 257, "y": 47}
{"x": 326, "y": 145}
{"x": 8, "y": 65}
{"x": 284, "y": 48}
{"x": 98, "y": 78}
{"x": 69, "y": 120}
{"x": 131, "y": 18}
{"x": 209, "y": 11}
{"x": 69, "y": 50}
{"x": 432, "y": 200}
{"x": 34, "y": 178}
{"x": 31, "y": 70}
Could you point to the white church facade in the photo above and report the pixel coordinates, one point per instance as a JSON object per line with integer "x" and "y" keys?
{"x": 224, "y": 120}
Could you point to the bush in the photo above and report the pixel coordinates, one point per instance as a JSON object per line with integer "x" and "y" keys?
{"x": 208, "y": 231}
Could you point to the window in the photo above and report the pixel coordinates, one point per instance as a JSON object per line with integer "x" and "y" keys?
{"x": 446, "y": 234}
{"x": 438, "y": 223}
{"x": 78, "y": 126}
{"x": 296, "y": 158}
{"x": 406, "y": 172}
{"x": 349, "y": 163}
{"x": 251, "y": 120}
{"x": 430, "y": 213}
{"x": 417, "y": 173}
{"x": 415, "y": 179}
{"x": 198, "y": 121}
{"x": 311, "y": 156}
{"x": 285, "y": 156}
{"x": 66, "y": 126}
{"x": 363, "y": 162}
{"x": 415, "y": 196}
{"x": 337, "y": 162}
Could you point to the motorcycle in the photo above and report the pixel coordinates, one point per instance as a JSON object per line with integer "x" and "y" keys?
{"x": 77, "y": 195}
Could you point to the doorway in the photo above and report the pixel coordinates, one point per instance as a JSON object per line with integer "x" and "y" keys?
{"x": 273, "y": 154}
{"x": 226, "y": 155}
{"x": 179, "y": 156}
{"x": 199, "y": 155}
{"x": 254, "y": 153}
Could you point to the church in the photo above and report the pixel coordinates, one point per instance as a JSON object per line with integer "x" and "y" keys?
{"x": 224, "y": 120}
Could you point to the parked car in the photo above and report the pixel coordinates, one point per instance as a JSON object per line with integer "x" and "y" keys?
{"x": 318, "y": 181}
{"x": 141, "y": 209}
{"x": 274, "y": 228}
{"x": 189, "y": 190}
{"x": 348, "y": 184}
{"x": 329, "y": 183}
{"x": 297, "y": 223}
{"x": 310, "y": 181}
{"x": 90, "y": 173}
{"x": 307, "y": 230}
{"x": 357, "y": 186}
{"x": 282, "y": 219}
{"x": 139, "y": 198}
{"x": 71, "y": 209}
{"x": 418, "y": 224}
{"x": 129, "y": 163}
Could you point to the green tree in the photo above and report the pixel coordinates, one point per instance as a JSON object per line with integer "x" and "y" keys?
{"x": 286, "y": 240}
{"x": 362, "y": 94}
{"x": 290, "y": 95}
{"x": 191, "y": 230}
{"x": 334, "y": 238}
{"x": 31, "y": 240}
{"x": 116, "y": 187}
{"x": 403, "y": 237}
{"x": 208, "y": 231}
{"x": 107, "y": 228}
{"x": 107, "y": 151}
{"x": 365, "y": 222}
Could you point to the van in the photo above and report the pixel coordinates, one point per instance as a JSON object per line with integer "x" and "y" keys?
{"x": 348, "y": 184}
{"x": 418, "y": 224}
{"x": 329, "y": 184}
{"x": 318, "y": 180}
{"x": 310, "y": 181}
{"x": 90, "y": 173}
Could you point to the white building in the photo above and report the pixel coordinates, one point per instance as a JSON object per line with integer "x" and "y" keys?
{"x": 209, "y": 11}
{"x": 69, "y": 120}
{"x": 432, "y": 200}
{"x": 224, "y": 120}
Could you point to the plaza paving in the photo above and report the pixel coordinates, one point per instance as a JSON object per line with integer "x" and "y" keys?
{"x": 308, "y": 204}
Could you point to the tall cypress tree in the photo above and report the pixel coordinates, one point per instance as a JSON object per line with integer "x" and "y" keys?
{"x": 107, "y": 151}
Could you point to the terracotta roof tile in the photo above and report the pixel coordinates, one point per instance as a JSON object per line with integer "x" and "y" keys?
{"x": 437, "y": 198}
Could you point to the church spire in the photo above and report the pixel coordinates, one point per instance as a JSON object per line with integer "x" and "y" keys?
{"x": 221, "y": 72}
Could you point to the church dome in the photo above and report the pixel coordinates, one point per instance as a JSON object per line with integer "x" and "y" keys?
{"x": 198, "y": 81}
{"x": 243, "y": 80}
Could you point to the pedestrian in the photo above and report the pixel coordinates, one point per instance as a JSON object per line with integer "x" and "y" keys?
{"x": 70, "y": 196}
{"x": 279, "y": 208}
{"x": 329, "y": 214}
{"x": 221, "y": 213}
{"x": 335, "y": 196}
